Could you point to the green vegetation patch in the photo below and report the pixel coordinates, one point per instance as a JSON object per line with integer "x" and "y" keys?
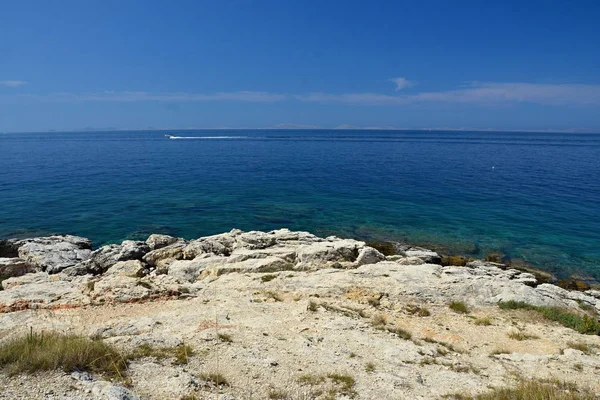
{"x": 459, "y": 307}
{"x": 581, "y": 323}
{"x": 181, "y": 353}
{"x": 46, "y": 351}
{"x": 534, "y": 389}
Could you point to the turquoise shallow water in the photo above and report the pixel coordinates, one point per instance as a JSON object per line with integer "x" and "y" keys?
{"x": 534, "y": 196}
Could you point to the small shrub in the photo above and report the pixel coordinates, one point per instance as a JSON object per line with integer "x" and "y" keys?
{"x": 459, "y": 307}
{"x": 369, "y": 367}
{"x": 52, "y": 350}
{"x": 268, "y": 278}
{"x": 582, "y": 324}
{"x": 312, "y": 306}
{"x": 216, "y": 378}
{"x": 352, "y": 354}
{"x": 225, "y": 337}
{"x": 483, "y": 321}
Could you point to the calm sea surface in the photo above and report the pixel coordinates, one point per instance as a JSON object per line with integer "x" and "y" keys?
{"x": 533, "y": 196}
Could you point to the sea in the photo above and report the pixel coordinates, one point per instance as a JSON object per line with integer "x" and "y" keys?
{"x": 531, "y": 197}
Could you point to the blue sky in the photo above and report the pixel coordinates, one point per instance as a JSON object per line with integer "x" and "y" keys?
{"x": 530, "y": 65}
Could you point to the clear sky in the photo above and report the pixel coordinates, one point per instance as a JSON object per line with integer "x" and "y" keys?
{"x": 68, "y": 65}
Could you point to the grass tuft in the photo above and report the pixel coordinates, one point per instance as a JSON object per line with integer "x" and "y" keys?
{"x": 268, "y": 278}
{"x": 225, "y": 337}
{"x": 581, "y": 323}
{"x": 518, "y": 335}
{"x": 417, "y": 310}
{"x": 483, "y": 321}
{"x": 531, "y": 390}
{"x": 581, "y": 346}
{"x": 216, "y": 378}
{"x": 459, "y": 307}
{"x": 181, "y": 353}
{"x": 52, "y": 350}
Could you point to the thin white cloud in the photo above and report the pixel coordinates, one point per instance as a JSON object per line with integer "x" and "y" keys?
{"x": 13, "y": 83}
{"x": 476, "y": 93}
{"x": 109, "y": 96}
{"x": 402, "y": 83}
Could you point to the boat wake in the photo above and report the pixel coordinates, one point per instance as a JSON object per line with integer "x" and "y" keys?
{"x": 205, "y": 137}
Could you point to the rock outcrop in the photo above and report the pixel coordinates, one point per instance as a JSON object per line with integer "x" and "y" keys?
{"x": 50, "y": 254}
{"x": 131, "y": 271}
{"x": 268, "y": 309}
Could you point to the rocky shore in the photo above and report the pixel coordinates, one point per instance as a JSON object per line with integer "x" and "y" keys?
{"x": 270, "y": 310}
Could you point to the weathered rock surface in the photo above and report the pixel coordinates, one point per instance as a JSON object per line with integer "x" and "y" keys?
{"x": 102, "y": 259}
{"x": 157, "y": 241}
{"x": 14, "y": 267}
{"x": 264, "y": 308}
{"x": 53, "y": 253}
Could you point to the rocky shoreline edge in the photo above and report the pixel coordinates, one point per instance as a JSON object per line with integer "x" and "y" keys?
{"x": 258, "y": 280}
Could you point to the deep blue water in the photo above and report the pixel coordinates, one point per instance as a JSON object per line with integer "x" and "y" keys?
{"x": 534, "y": 196}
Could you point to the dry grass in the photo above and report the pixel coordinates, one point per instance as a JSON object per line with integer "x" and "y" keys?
{"x": 329, "y": 386}
{"x": 459, "y": 307}
{"x": 52, "y": 350}
{"x": 214, "y": 378}
{"x": 581, "y": 323}
{"x": 581, "y": 346}
{"x": 532, "y": 390}
{"x": 518, "y": 335}
{"x": 379, "y": 319}
{"x": 500, "y": 350}
{"x": 483, "y": 321}
{"x": 417, "y": 310}
{"x": 268, "y": 278}
{"x": 225, "y": 337}
{"x": 181, "y": 353}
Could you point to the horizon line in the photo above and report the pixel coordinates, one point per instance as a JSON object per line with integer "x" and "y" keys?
{"x": 339, "y": 128}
